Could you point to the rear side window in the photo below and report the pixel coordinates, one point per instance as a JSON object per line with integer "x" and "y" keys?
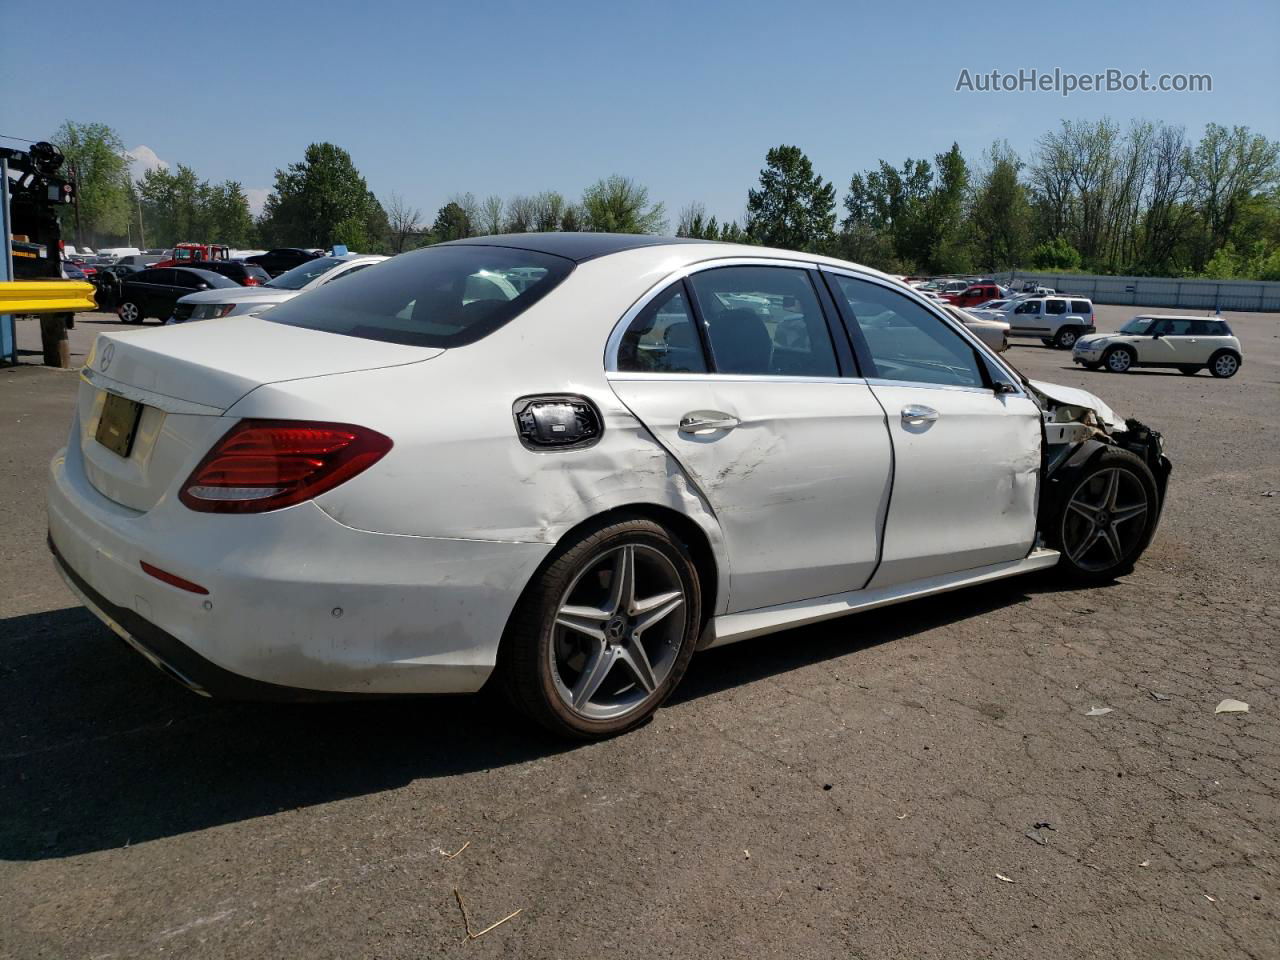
{"x": 662, "y": 338}
{"x": 1081, "y": 306}
{"x": 764, "y": 321}
{"x": 1210, "y": 328}
{"x": 442, "y": 296}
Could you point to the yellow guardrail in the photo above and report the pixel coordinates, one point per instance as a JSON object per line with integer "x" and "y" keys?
{"x": 46, "y": 296}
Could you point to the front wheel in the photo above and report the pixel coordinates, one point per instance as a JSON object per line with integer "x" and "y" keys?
{"x": 1118, "y": 359}
{"x": 1189, "y": 371}
{"x": 129, "y": 312}
{"x": 1107, "y": 519}
{"x": 1224, "y": 365}
{"x": 1091, "y": 365}
{"x": 604, "y": 632}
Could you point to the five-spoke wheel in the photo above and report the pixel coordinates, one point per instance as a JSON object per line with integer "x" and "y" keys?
{"x": 605, "y": 632}
{"x": 1108, "y": 516}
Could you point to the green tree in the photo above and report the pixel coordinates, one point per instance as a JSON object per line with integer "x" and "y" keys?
{"x": 316, "y": 196}
{"x": 618, "y": 204}
{"x": 794, "y": 208}
{"x": 96, "y": 163}
{"x": 452, "y": 223}
{"x": 695, "y": 223}
{"x": 1001, "y": 215}
{"x": 1056, "y": 254}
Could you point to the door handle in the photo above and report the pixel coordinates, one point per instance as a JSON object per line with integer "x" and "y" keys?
{"x": 705, "y": 421}
{"x": 916, "y": 415}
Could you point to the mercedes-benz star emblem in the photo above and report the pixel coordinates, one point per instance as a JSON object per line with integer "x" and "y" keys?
{"x": 108, "y": 352}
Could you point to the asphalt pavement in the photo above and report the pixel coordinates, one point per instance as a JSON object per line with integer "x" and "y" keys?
{"x": 922, "y": 781}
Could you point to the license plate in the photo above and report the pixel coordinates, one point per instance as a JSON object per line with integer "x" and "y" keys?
{"x": 118, "y": 424}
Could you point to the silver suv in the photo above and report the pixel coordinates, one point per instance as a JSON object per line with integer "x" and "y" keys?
{"x": 1058, "y": 321}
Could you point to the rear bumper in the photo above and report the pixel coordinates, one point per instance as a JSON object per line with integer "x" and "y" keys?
{"x": 299, "y": 606}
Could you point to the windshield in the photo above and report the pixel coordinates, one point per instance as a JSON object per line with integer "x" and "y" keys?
{"x": 1138, "y": 325}
{"x": 301, "y": 275}
{"x": 442, "y": 296}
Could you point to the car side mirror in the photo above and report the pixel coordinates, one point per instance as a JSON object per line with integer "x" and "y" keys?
{"x": 1002, "y": 387}
{"x": 1157, "y": 335}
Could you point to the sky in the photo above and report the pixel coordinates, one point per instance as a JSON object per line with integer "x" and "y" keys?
{"x": 434, "y": 99}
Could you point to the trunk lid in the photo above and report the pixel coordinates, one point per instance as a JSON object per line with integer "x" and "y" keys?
{"x": 183, "y": 379}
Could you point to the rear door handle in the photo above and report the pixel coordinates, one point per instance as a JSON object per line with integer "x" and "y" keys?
{"x": 915, "y": 415}
{"x": 705, "y": 421}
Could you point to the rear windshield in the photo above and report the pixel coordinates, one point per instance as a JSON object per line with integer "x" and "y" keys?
{"x": 442, "y": 296}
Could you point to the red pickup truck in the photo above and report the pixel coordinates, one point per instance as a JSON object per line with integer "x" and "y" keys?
{"x": 974, "y": 295}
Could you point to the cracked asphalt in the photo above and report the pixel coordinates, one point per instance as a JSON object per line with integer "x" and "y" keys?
{"x": 860, "y": 788}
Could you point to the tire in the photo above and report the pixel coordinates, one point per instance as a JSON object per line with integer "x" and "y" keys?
{"x": 1189, "y": 371}
{"x": 1046, "y": 341}
{"x": 550, "y": 657}
{"x": 1066, "y": 338}
{"x": 129, "y": 312}
{"x": 1091, "y": 365}
{"x": 1224, "y": 364}
{"x": 1119, "y": 360}
{"x": 1096, "y": 547}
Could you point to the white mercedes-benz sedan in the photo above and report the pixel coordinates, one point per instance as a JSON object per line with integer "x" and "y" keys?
{"x": 566, "y": 462}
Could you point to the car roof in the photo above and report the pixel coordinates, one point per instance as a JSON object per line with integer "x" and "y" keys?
{"x": 1177, "y": 316}
{"x": 578, "y": 247}
{"x": 202, "y": 274}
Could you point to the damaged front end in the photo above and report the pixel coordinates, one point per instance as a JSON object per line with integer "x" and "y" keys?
{"x": 1077, "y": 428}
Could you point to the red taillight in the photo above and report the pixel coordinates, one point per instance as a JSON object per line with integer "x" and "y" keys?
{"x": 264, "y": 465}
{"x": 250, "y": 281}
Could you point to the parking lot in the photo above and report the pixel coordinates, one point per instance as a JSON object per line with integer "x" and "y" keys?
{"x": 921, "y": 781}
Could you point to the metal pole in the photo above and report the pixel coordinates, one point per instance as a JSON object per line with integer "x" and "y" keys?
{"x": 8, "y": 331}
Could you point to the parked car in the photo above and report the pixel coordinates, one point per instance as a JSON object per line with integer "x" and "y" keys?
{"x": 282, "y": 259}
{"x": 409, "y": 481}
{"x": 153, "y": 292}
{"x": 210, "y": 304}
{"x": 140, "y": 261}
{"x": 1188, "y": 344}
{"x": 1056, "y": 321}
{"x": 994, "y": 333}
{"x": 974, "y": 295}
{"x": 73, "y": 271}
{"x": 244, "y": 274}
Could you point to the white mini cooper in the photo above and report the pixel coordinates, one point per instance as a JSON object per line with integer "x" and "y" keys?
{"x": 1188, "y": 344}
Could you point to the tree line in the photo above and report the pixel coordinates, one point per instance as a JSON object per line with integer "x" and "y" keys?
{"x": 1144, "y": 200}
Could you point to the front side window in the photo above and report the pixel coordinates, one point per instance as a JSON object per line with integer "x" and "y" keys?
{"x": 662, "y": 338}
{"x": 441, "y": 296}
{"x": 765, "y": 321}
{"x": 1030, "y": 306}
{"x": 1055, "y": 307}
{"x": 901, "y": 340}
{"x": 1174, "y": 328}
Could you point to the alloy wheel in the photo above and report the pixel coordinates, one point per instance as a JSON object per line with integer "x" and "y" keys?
{"x": 1119, "y": 361}
{"x": 617, "y": 632}
{"x": 129, "y": 312}
{"x": 1226, "y": 365}
{"x": 1067, "y": 339}
{"x": 1099, "y": 528}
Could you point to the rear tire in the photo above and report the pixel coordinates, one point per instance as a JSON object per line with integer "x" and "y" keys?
{"x": 588, "y": 652}
{"x": 1224, "y": 364}
{"x": 1066, "y": 338}
{"x": 1106, "y": 519}
{"x": 1119, "y": 360}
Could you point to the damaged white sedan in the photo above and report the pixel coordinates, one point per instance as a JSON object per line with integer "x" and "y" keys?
{"x": 566, "y": 462}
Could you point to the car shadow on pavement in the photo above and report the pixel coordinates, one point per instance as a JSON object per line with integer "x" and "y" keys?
{"x": 98, "y": 750}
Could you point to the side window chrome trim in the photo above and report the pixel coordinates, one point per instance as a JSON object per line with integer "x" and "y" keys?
{"x": 620, "y": 329}
{"x": 728, "y": 377}
{"x": 969, "y": 337}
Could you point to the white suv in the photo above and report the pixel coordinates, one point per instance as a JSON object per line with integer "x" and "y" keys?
{"x": 1059, "y": 321}
{"x": 1188, "y": 344}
